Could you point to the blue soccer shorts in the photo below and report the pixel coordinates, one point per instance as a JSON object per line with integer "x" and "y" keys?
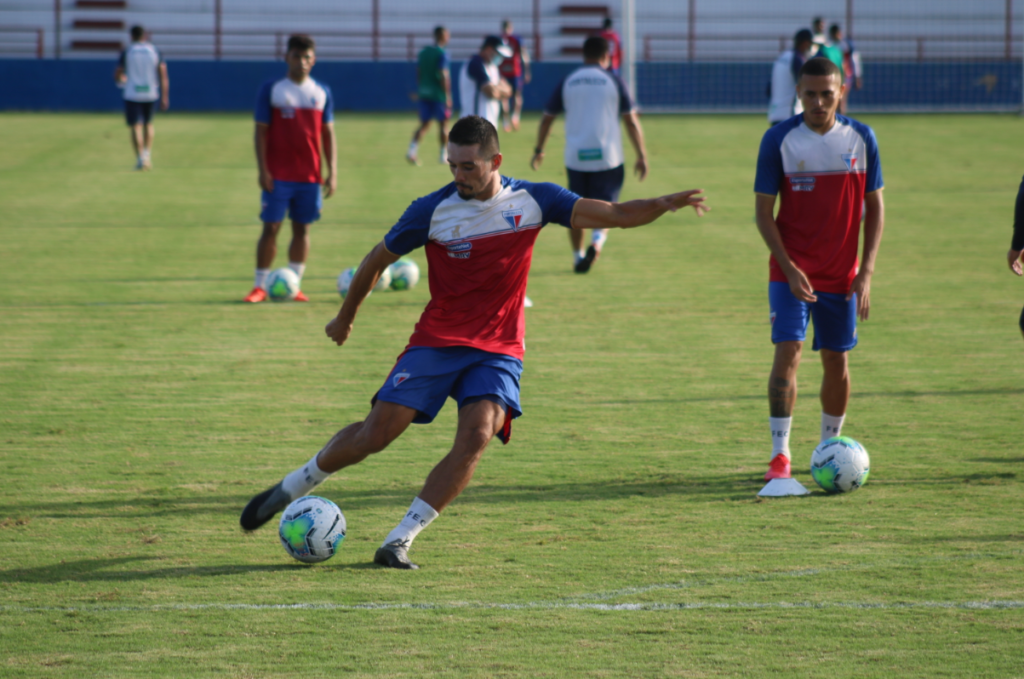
{"x": 432, "y": 110}
{"x": 300, "y": 200}
{"x": 599, "y": 185}
{"x": 424, "y": 378}
{"x": 138, "y": 112}
{"x": 835, "y": 318}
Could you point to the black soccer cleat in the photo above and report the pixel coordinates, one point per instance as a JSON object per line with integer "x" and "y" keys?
{"x": 263, "y": 507}
{"x": 583, "y": 266}
{"x": 395, "y": 555}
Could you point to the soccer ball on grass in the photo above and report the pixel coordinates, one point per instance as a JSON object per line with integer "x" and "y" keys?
{"x": 840, "y": 465}
{"x": 312, "y": 529}
{"x": 345, "y": 281}
{"x": 282, "y": 285}
{"x": 404, "y": 274}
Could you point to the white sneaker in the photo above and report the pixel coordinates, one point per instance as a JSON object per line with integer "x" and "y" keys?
{"x": 527, "y": 302}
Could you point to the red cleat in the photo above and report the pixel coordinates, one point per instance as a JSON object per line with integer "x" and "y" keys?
{"x": 778, "y": 468}
{"x": 300, "y": 297}
{"x": 257, "y": 295}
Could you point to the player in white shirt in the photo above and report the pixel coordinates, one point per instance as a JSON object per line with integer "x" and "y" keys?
{"x": 142, "y": 72}
{"x": 593, "y": 99}
{"x": 481, "y": 87}
{"x": 784, "y": 102}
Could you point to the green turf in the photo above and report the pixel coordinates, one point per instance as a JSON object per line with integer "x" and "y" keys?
{"x": 618, "y": 535}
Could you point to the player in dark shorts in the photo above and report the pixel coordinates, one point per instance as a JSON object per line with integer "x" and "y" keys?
{"x": 1013, "y": 257}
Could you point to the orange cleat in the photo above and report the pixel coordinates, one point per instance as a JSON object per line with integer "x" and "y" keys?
{"x": 300, "y": 297}
{"x": 778, "y": 468}
{"x": 257, "y": 295}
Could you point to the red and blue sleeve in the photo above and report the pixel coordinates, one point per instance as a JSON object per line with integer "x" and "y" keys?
{"x": 328, "y": 115}
{"x": 263, "y": 104}
{"x": 770, "y": 172}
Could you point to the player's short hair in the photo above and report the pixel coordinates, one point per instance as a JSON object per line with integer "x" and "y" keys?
{"x": 803, "y": 35}
{"x": 137, "y": 32}
{"x": 594, "y": 48}
{"x": 607, "y": 22}
{"x": 476, "y": 130}
{"x": 834, "y": 29}
{"x": 301, "y": 43}
{"x": 439, "y": 31}
{"x": 817, "y": 20}
{"x": 820, "y": 66}
{"x": 505, "y": 23}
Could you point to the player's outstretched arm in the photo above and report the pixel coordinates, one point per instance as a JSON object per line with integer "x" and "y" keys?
{"x": 366, "y": 277}
{"x": 874, "y": 223}
{"x": 598, "y": 214}
{"x": 799, "y": 284}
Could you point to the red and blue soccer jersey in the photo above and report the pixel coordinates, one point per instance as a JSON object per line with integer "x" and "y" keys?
{"x": 479, "y": 255}
{"x": 821, "y": 181}
{"x": 512, "y": 67}
{"x": 296, "y": 115}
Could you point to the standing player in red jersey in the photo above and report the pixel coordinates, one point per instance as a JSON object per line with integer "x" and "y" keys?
{"x": 478, "y": 232}
{"x": 516, "y": 70}
{"x": 614, "y": 45}
{"x": 825, "y": 167}
{"x": 294, "y": 136}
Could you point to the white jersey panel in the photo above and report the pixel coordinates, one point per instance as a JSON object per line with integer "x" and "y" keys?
{"x": 287, "y": 94}
{"x": 593, "y": 136}
{"x": 839, "y": 151}
{"x": 784, "y": 102}
{"x": 472, "y": 101}
{"x": 141, "y": 60}
{"x": 507, "y": 212}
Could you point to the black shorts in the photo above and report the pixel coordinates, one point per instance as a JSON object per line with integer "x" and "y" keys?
{"x": 136, "y": 112}
{"x": 602, "y": 185}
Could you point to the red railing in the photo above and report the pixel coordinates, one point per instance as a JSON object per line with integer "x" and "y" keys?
{"x": 37, "y": 32}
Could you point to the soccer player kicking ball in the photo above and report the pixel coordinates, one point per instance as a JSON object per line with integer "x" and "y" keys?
{"x": 294, "y": 135}
{"x": 825, "y": 167}
{"x": 479, "y": 233}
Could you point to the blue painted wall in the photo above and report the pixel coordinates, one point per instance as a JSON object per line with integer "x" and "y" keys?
{"x": 79, "y": 85}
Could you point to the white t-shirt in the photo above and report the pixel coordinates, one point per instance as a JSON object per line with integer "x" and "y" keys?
{"x": 593, "y": 100}
{"x": 473, "y": 76}
{"x": 784, "y": 103}
{"x": 140, "y": 62}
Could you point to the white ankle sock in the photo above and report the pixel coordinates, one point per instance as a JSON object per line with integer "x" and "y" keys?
{"x": 831, "y": 425}
{"x": 580, "y": 254}
{"x": 304, "y": 479}
{"x": 261, "y": 278}
{"x": 418, "y": 517}
{"x": 298, "y": 267}
{"x": 780, "y": 427}
{"x": 412, "y": 148}
{"x": 598, "y": 239}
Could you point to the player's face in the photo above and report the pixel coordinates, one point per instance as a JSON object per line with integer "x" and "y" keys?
{"x": 474, "y": 176}
{"x": 820, "y": 96}
{"x": 300, "y": 63}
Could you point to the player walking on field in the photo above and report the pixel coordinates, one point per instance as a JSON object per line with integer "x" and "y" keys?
{"x": 824, "y": 167}
{"x": 294, "y": 137}
{"x": 481, "y": 87}
{"x": 516, "y": 71}
{"x": 1013, "y": 257}
{"x": 142, "y": 72}
{"x": 593, "y": 99}
{"x": 433, "y": 76}
{"x": 478, "y": 232}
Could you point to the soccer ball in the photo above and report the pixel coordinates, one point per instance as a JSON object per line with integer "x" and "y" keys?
{"x": 282, "y": 285}
{"x": 840, "y": 465}
{"x": 345, "y": 281}
{"x": 311, "y": 529}
{"x": 404, "y": 274}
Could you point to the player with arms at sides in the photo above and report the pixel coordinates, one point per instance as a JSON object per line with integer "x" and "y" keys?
{"x": 435, "y": 92}
{"x": 142, "y": 72}
{"x": 516, "y": 71}
{"x": 593, "y": 99}
{"x": 481, "y": 87}
{"x": 1013, "y": 257}
{"x": 784, "y": 104}
{"x": 614, "y": 45}
{"x": 851, "y": 64}
{"x": 294, "y": 137}
{"x": 824, "y": 167}
{"x": 478, "y": 232}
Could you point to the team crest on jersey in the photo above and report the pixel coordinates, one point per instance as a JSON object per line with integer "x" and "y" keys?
{"x": 851, "y": 161}
{"x": 399, "y": 378}
{"x": 513, "y": 217}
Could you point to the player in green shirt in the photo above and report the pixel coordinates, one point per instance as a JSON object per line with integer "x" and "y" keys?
{"x": 435, "y": 93}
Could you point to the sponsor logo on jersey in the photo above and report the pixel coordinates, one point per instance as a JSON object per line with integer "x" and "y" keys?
{"x": 287, "y": 112}
{"x": 399, "y": 378}
{"x": 513, "y": 217}
{"x": 802, "y": 183}
{"x": 851, "y": 161}
{"x": 590, "y": 154}
{"x": 459, "y": 250}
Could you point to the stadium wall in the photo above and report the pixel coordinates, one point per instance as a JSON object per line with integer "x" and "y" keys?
{"x": 87, "y": 85}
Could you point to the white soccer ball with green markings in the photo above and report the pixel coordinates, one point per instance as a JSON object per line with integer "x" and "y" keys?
{"x": 345, "y": 281}
{"x": 840, "y": 465}
{"x": 311, "y": 529}
{"x": 282, "y": 285}
{"x": 404, "y": 274}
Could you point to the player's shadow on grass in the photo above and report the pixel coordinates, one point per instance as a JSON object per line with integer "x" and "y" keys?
{"x": 125, "y": 569}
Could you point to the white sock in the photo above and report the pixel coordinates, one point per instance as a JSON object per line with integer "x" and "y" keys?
{"x": 304, "y": 479}
{"x": 780, "y": 427}
{"x": 831, "y": 425}
{"x": 298, "y": 267}
{"x": 443, "y": 158}
{"x": 261, "y": 277}
{"x": 413, "y": 145}
{"x": 418, "y": 517}
{"x": 580, "y": 254}
{"x": 598, "y": 239}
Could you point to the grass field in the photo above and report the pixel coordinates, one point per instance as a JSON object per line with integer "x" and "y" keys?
{"x": 618, "y": 535}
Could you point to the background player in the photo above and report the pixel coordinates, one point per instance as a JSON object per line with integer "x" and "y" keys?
{"x": 593, "y": 99}
{"x": 142, "y": 72}
{"x": 1013, "y": 257}
{"x": 435, "y": 92}
{"x": 478, "y": 232}
{"x": 294, "y": 135}
{"x": 784, "y": 103}
{"x": 824, "y": 167}
{"x": 516, "y": 71}
{"x": 614, "y": 45}
{"x": 851, "y": 64}
{"x": 481, "y": 87}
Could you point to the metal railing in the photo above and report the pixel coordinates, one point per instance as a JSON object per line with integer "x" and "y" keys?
{"x": 28, "y": 45}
